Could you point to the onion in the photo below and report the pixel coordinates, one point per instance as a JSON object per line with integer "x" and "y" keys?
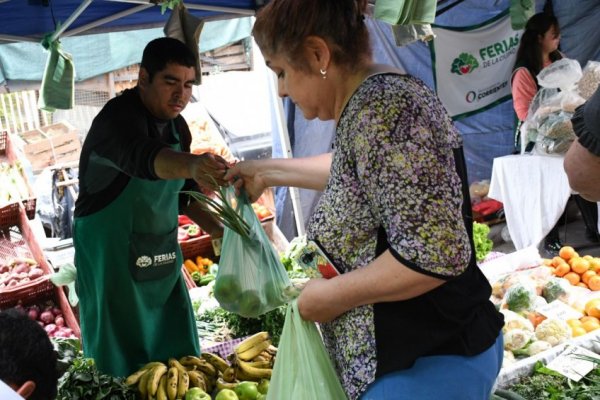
{"x": 19, "y": 268}
{"x": 59, "y": 321}
{"x": 56, "y": 311}
{"x": 50, "y": 328}
{"x": 33, "y": 314}
{"x": 47, "y": 317}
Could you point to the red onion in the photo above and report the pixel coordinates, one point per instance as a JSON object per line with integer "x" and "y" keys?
{"x": 59, "y": 321}
{"x": 47, "y": 317}
{"x": 50, "y": 328}
{"x": 33, "y": 314}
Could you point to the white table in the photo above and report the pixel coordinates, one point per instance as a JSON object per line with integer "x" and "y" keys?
{"x": 534, "y": 190}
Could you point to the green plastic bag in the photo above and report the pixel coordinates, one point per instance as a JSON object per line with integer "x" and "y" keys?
{"x": 57, "y": 90}
{"x": 520, "y": 11}
{"x": 303, "y": 369}
{"x": 251, "y": 279}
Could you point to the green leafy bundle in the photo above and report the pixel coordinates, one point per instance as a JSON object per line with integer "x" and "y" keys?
{"x": 222, "y": 209}
{"x": 83, "y": 381}
{"x": 483, "y": 245}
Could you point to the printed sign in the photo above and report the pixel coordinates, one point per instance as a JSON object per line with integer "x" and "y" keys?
{"x": 473, "y": 66}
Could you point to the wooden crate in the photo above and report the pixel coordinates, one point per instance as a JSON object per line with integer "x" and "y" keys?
{"x": 50, "y": 145}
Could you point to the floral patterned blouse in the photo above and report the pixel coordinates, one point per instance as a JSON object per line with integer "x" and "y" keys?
{"x": 392, "y": 167}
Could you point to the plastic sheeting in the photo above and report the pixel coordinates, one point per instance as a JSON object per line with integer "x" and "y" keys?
{"x": 97, "y": 54}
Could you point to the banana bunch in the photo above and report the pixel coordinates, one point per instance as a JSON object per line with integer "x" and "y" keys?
{"x": 252, "y": 359}
{"x": 170, "y": 381}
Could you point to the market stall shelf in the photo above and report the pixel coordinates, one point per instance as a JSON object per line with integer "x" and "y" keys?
{"x": 23, "y": 262}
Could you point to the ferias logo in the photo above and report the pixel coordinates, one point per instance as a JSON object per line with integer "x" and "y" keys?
{"x": 143, "y": 262}
{"x": 464, "y": 64}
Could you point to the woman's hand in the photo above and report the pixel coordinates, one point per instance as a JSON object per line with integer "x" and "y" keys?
{"x": 318, "y": 301}
{"x": 246, "y": 174}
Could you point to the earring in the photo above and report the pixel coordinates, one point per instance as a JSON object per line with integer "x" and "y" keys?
{"x": 323, "y": 73}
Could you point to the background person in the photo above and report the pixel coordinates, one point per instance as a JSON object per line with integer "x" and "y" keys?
{"x": 537, "y": 50}
{"x": 390, "y": 217}
{"x": 582, "y": 161}
{"x": 27, "y": 357}
{"x": 134, "y": 305}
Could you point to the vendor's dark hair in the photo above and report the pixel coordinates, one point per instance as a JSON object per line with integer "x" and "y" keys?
{"x": 162, "y": 51}
{"x": 529, "y": 54}
{"x": 282, "y": 26}
{"x": 26, "y": 354}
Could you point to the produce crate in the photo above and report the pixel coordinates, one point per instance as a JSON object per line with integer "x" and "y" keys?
{"x": 189, "y": 282}
{"x": 9, "y": 213}
{"x": 19, "y": 242}
{"x": 51, "y": 145}
{"x": 198, "y": 246}
{"x": 41, "y": 292}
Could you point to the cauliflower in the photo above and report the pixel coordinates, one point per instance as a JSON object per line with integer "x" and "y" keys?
{"x": 553, "y": 331}
{"x": 516, "y": 339}
{"x": 509, "y": 358}
{"x": 537, "y": 347}
{"x": 512, "y": 320}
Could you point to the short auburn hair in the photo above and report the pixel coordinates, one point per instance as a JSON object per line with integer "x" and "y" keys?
{"x": 282, "y": 26}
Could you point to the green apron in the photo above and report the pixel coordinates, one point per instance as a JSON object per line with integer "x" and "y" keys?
{"x": 134, "y": 305}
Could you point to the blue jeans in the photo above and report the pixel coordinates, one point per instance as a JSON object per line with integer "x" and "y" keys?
{"x": 446, "y": 377}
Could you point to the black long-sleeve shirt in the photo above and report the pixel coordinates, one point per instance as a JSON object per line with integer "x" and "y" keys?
{"x": 123, "y": 142}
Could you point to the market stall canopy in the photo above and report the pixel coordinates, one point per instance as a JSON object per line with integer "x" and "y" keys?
{"x": 32, "y": 19}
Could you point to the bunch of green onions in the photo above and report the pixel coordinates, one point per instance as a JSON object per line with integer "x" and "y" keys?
{"x": 222, "y": 210}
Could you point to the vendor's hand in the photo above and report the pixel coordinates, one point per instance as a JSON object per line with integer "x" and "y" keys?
{"x": 245, "y": 174}
{"x": 209, "y": 165}
{"x": 318, "y": 301}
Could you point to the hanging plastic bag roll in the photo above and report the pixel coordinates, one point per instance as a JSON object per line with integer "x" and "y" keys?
{"x": 303, "y": 369}
{"x": 251, "y": 279}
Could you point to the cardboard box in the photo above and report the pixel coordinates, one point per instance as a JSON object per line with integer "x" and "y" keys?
{"x": 51, "y": 145}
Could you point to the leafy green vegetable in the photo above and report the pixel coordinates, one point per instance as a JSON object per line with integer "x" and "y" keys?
{"x": 83, "y": 381}
{"x": 271, "y": 322}
{"x": 483, "y": 245}
{"x": 67, "y": 350}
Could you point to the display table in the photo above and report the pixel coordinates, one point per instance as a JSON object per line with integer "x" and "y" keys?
{"x": 534, "y": 190}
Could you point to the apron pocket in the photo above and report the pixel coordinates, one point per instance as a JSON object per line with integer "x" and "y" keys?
{"x": 152, "y": 256}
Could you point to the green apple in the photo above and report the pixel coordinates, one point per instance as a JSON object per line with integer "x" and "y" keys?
{"x": 226, "y": 394}
{"x": 261, "y": 396}
{"x": 263, "y": 386}
{"x": 196, "y": 393}
{"x": 227, "y": 289}
{"x": 250, "y": 304}
{"x": 247, "y": 390}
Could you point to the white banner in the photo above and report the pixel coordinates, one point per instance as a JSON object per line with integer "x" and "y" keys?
{"x": 473, "y": 65}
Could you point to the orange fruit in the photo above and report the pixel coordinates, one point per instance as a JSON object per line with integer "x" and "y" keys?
{"x": 595, "y": 264}
{"x": 590, "y": 325}
{"x": 588, "y": 257}
{"x": 578, "y": 331}
{"x": 583, "y": 285}
{"x": 572, "y": 277}
{"x": 587, "y": 275}
{"x": 588, "y": 318}
{"x": 556, "y": 261}
{"x": 592, "y": 307}
{"x": 574, "y": 322}
{"x": 579, "y": 265}
{"x": 594, "y": 282}
{"x": 562, "y": 269}
{"x": 566, "y": 252}
{"x": 547, "y": 262}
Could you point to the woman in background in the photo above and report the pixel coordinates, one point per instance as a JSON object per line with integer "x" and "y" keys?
{"x": 537, "y": 50}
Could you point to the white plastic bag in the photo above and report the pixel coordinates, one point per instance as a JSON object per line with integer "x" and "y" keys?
{"x": 562, "y": 74}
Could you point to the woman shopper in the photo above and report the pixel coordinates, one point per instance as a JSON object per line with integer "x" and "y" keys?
{"x": 538, "y": 49}
{"x": 410, "y": 316}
